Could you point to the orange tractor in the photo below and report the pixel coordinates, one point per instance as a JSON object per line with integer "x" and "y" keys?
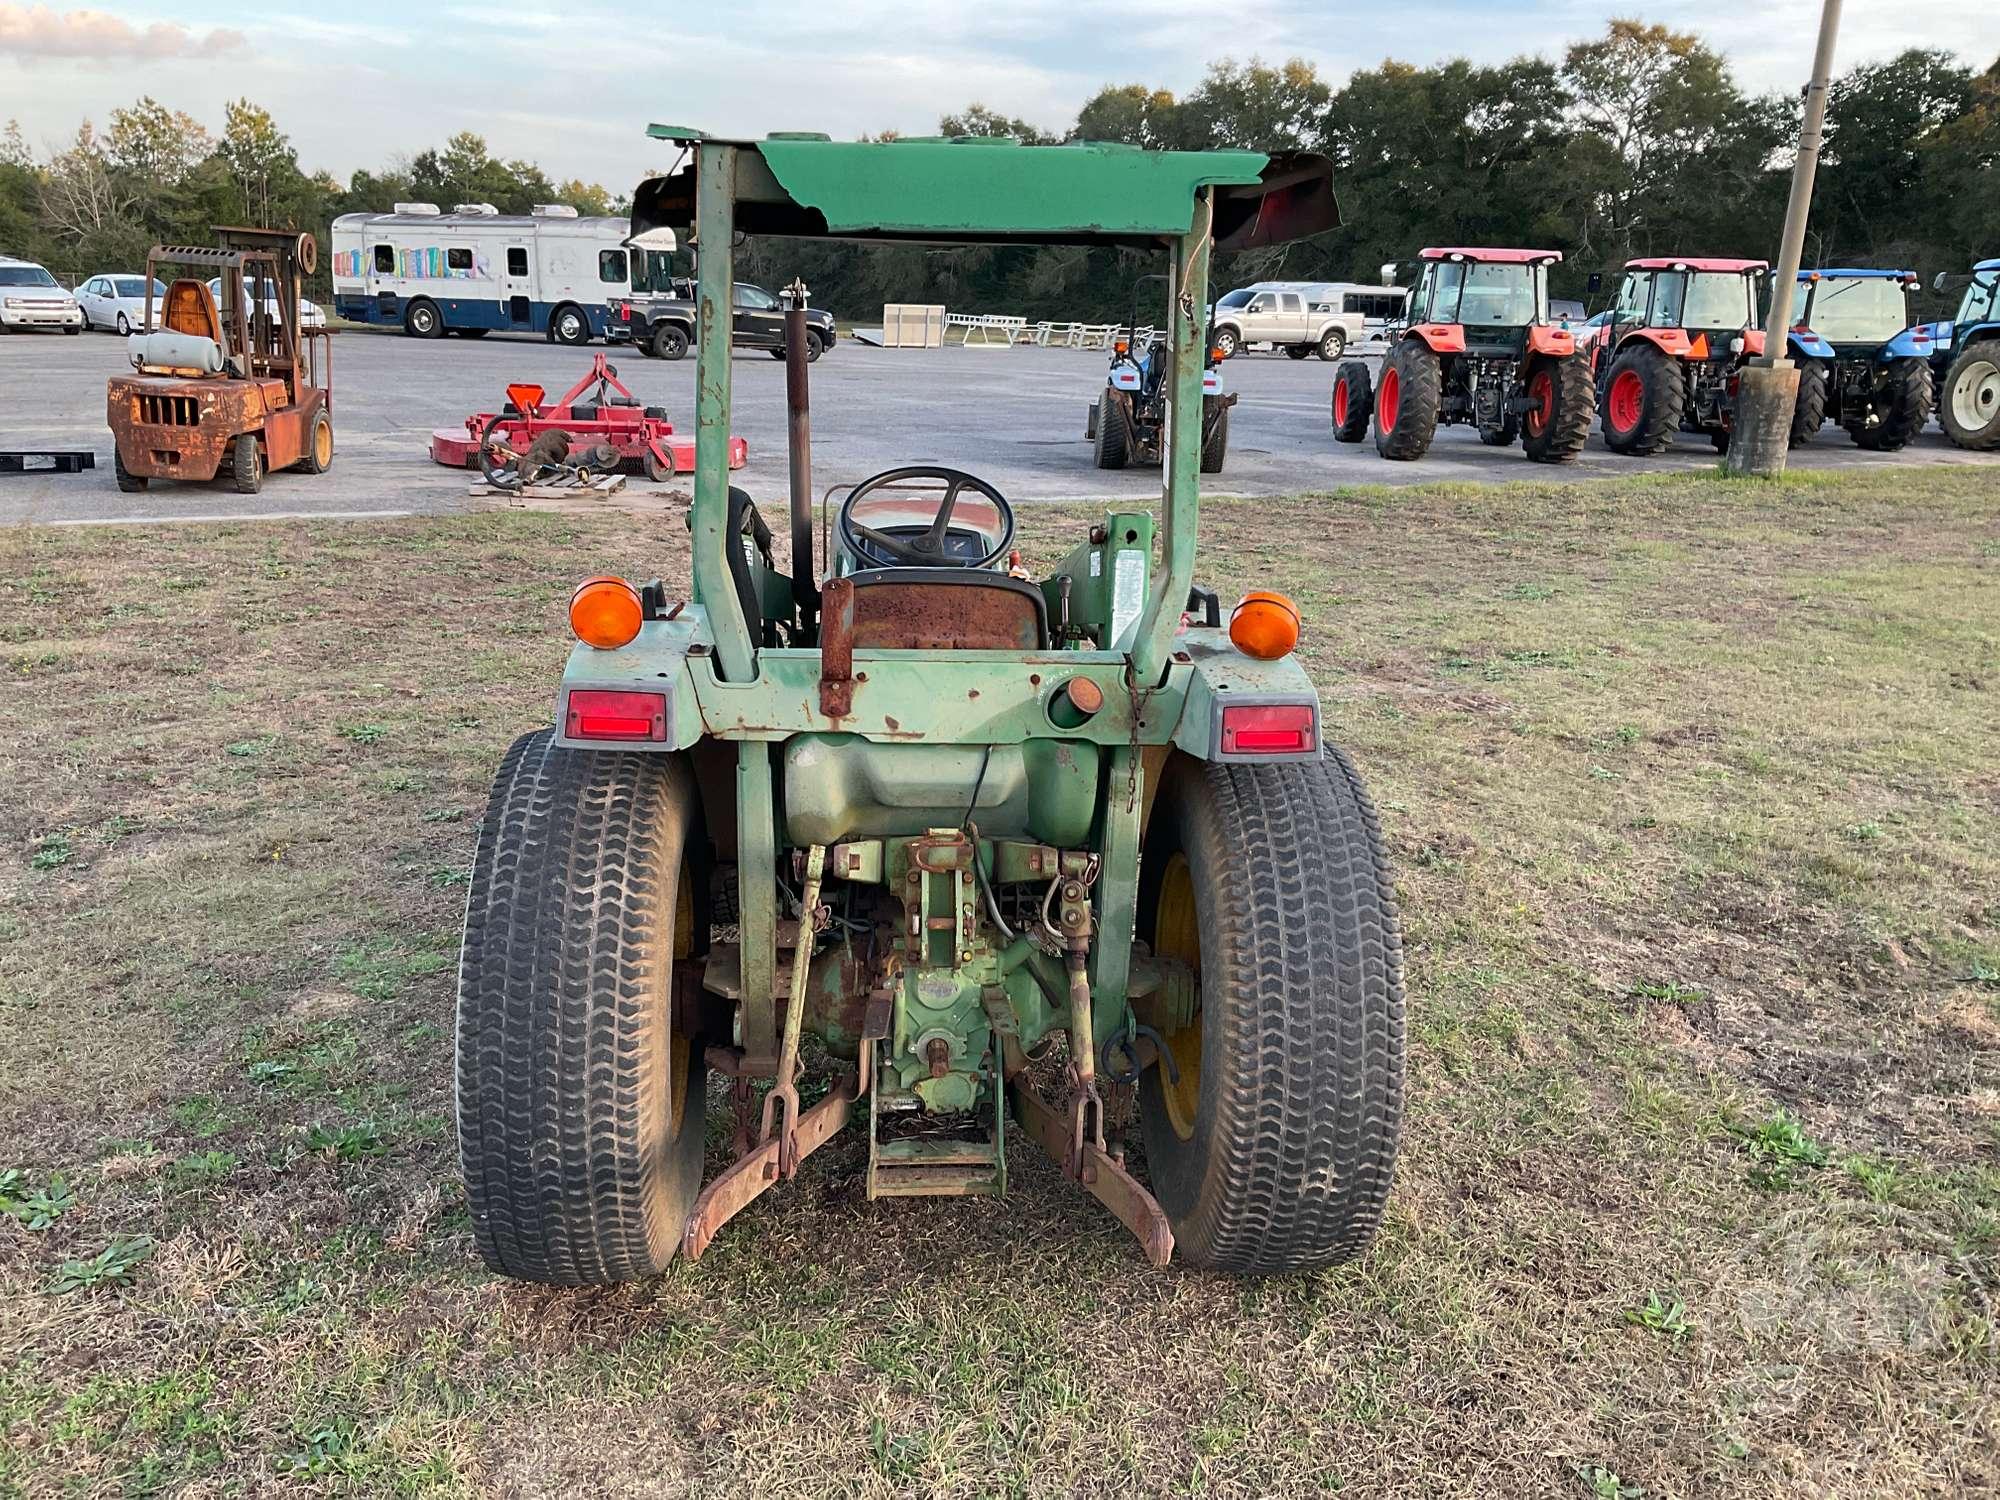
{"x": 238, "y": 389}
{"x": 1667, "y": 356}
{"x": 1480, "y": 349}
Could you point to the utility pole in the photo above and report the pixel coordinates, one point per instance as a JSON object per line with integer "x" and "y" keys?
{"x": 1769, "y": 384}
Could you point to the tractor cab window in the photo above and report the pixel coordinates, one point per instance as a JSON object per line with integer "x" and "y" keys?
{"x": 1633, "y": 298}
{"x": 1439, "y": 294}
{"x": 1852, "y": 309}
{"x": 1982, "y": 298}
{"x": 1714, "y": 299}
{"x": 385, "y": 260}
{"x": 1497, "y": 296}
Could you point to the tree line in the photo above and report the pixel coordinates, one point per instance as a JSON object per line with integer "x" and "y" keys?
{"x": 1638, "y": 141}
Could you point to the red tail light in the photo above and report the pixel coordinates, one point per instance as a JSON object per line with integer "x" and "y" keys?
{"x": 595, "y": 714}
{"x": 1269, "y": 729}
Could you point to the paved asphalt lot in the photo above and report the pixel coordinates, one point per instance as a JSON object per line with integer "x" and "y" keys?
{"x": 1013, "y": 416}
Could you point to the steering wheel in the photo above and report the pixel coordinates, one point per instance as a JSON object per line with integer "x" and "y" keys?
{"x": 928, "y": 550}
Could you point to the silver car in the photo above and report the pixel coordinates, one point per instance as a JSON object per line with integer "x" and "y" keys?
{"x": 117, "y": 304}
{"x": 311, "y": 318}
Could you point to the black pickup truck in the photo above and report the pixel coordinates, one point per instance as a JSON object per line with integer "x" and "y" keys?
{"x": 663, "y": 326}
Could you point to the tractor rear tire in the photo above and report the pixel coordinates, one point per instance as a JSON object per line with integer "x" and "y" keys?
{"x": 1406, "y": 401}
{"x": 1112, "y": 447}
{"x": 1644, "y": 399}
{"x": 1969, "y": 404}
{"x": 1214, "y": 436}
{"x": 1273, "y": 1144}
{"x": 580, "y": 1102}
{"x": 1809, "y": 408}
{"x": 246, "y": 464}
{"x": 1909, "y": 395}
{"x": 1353, "y": 402}
{"x": 1556, "y": 428}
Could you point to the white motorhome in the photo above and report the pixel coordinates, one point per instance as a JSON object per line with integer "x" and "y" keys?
{"x": 1305, "y": 317}
{"x": 474, "y": 269}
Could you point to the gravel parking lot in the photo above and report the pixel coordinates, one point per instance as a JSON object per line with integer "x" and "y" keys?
{"x": 1014, "y": 416}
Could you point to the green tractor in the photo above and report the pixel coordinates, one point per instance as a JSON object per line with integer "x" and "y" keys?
{"x": 1060, "y": 849}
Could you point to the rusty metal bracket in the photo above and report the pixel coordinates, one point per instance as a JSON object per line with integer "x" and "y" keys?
{"x": 836, "y": 648}
{"x": 746, "y": 1179}
{"x": 781, "y": 1104}
{"x": 1103, "y": 1175}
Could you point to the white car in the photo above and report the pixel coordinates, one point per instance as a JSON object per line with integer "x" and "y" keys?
{"x": 311, "y": 318}
{"x": 117, "y": 303}
{"x": 31, "y": 298}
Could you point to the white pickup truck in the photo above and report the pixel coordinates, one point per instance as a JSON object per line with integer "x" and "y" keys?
{"x": 1289, "y": 314}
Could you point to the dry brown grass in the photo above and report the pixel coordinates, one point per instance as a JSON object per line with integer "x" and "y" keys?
{"x": 1692, "y": 790}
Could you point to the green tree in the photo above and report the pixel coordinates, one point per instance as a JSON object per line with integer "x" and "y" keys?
{"x": 1132, "y": 114}
{"x": 977, "y": 119}
{"x": 1881, "y": 119}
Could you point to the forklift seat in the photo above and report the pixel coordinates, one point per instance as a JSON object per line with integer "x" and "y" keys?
{"x": 948, "y": 609}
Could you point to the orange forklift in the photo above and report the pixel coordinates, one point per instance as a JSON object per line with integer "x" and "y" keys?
{"x": 235, "y": 390}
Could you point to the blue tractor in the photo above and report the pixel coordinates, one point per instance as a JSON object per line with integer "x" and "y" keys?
{"x": 1861, "y": 363}
{"x": 1965, "y": 357}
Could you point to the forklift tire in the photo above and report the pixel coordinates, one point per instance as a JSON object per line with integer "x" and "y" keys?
{"x": 1353, "y": 402}
{"x": 568, "y": 325}
{"x": 668, "y": 342}
{"x": 1644, "y": 397}
{"x": 1332, "y": 344}
{"x": 1809, "y": 410}
{"x": 1563, "y": 400}
{"x": 422, "y": 320}
{"x": 128, "y": 482}
{"x": 580, "y": 1102}
{"x": 1969, "y": 404}
{"x": 1272, "y": 1144}
{"x": 1214, "y": 437}
{"x": 1909, "y": 394}
{"x": 1406, "y": 401}
{"x": 1113, "y": 444}
{"x": 319, "y": 445}
{"x": 246, "y": 464}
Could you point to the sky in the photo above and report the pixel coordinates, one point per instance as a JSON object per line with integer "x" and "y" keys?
{"x": 572, "y": 84}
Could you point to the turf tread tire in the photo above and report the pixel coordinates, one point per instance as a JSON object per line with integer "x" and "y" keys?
{"x": 1112, "y": 447}
{"x": 1300, "y": 1113}
{"x": 574, "y": 1173}
{"x": 246, "y": 464}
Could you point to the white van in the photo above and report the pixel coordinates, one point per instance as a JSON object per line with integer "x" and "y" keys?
{"x": 1304, "y": 317}
{"x": 31, "y": 298}
{"x": 474, "y": 270}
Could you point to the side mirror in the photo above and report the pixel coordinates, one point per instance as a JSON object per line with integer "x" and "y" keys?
{"x": 1594, "y": 284}
{"x": 1937, "y": 284}
{"x": 1388, "y": 272}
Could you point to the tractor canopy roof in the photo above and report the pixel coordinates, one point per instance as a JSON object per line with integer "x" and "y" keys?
{"x": 1696, "y": 263}
{"x": 1856, "y": 272}
{"x": 994, "y": 189}
{"x": 1986, "y": 265}
{"x": 1505, "y": 257}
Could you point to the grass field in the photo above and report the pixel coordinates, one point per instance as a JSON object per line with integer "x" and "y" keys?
{"x": 1694, "y": 798}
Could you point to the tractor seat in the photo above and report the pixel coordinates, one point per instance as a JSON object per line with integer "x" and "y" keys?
{"x": 948, "y": 609}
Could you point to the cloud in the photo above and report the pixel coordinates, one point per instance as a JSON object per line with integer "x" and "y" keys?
{"x": 38, "y": 31}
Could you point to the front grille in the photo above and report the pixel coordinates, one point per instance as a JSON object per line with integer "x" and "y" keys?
{"x": 168, "y": 411}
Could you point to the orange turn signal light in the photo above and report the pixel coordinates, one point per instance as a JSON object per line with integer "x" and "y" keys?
{"x": 605, "y": 612}
{"x": 1121, "y": 347}
{"x": 1264, "y": 625}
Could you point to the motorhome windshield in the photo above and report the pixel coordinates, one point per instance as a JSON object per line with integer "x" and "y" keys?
{"x": 1852, "y": 309}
